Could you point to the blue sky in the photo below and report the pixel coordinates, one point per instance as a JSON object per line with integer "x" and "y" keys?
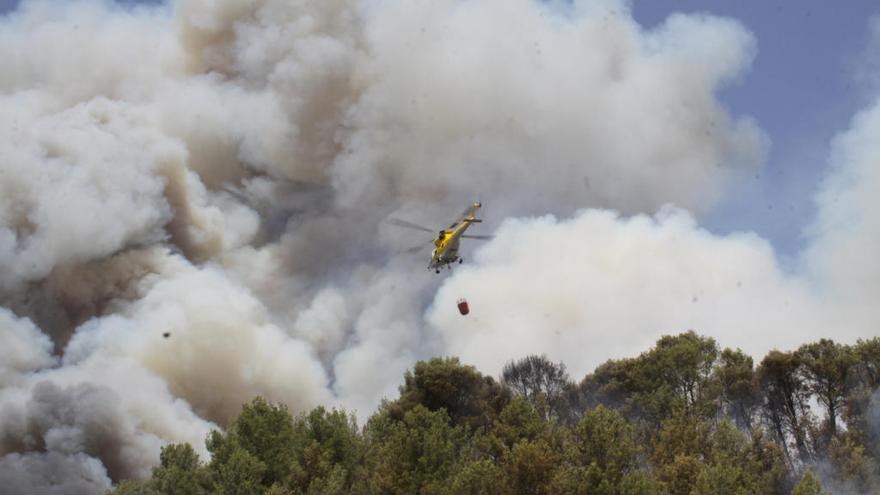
{"x": 800, "y": 89}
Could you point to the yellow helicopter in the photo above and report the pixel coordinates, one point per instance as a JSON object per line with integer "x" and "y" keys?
{"x": 446, "y": 243}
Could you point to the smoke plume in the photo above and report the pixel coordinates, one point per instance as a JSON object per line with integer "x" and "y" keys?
{"x": 193, "y": 198}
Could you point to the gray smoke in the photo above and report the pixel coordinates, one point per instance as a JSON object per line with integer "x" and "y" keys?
{"x": 23, "y": 349}
{"x": 193, "y": 198}
{"x": 861, "y": 469}
{"x": 52, "y": 474}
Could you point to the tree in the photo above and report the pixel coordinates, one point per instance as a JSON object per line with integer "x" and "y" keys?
{"x": 541, "y": 381}
{"x": 735, "y": 374}
{"x": 133, "y": 487}
{"x": 731, "y": 467}
{"x": 862, "y": 398}
{"x": 867, "y": 358}
{"x": 602, "y": 457}
{"x": 180, "y": 472}
{"x": 530, "y": 466}
{"x": 685, "y": 363}
{"x": 479, "y": 477}
{"x": 825, "y": 366}
{"x": 850, "y": 464}
{"x": 785, "y": 404}
{"x": 809, "y": 485}
{"x": 518, "y": 421}
{"x": 680, "y": 476}
{"x": 415, "y": 454}
{"x": 326, "y": 452}
{"x": 697, "y": 457}
{"x": 771, "y": 461}
{"x": 277, "y": 489}
{"x": 654, "y": 428}
{"x": 680, "y": 452}
{"x": 722, "y": 479}
{"x": 260, "y": 440}
{"x": 515, "y": 443}
{"x": 604, "y": 438}
{"x": 674, "y": 377}
{"x": 238, "y": 473}
{"x": 467, "y": 396}
{"x": 613, "y": 384}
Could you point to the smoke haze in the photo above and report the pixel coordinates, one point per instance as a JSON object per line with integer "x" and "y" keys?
{"x": 220, "y": 172}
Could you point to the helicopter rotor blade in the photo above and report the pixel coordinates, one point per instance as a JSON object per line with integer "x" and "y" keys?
{"x": 415, "y": 249}
{"x": 409, "y": 225}
{"x": 481, "y": 237}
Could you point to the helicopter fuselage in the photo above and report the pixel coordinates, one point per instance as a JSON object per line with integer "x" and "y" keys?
{"x": 447, "y": 240}
{"x": 446, "y": 244}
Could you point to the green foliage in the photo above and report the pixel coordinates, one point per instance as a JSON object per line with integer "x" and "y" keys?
{"x": 674, "y": 377}
{"x": 530, "y": 466}
{"x": 264, "y": 451}
{"x": 413, "y": 455}
{"x": 544, "y": 383}
{"x": 682, "y": 418}
{"x": 603, "y": 438}
{"x": 240, "y": 473}
{"x": 277, "y": 489}
{"x": 469, "y": 398}
{"x": 825, "y": 366}
{"x": 681, "y": 474}
{"x": 735, "y": 375}
{"x": 772, "y": 468}
{"x": 863, "y": 383}
{"x": 729, "y": 462}
{"x": 682, "y": 436}
{"x": 867, "y": 362}
{"x": 180, "y": 472}
{"x": 602, "y": 457}
{"x": 133, "y": 487}
{"x": 785, "y": 404}
{"x": 255, "y": 452}
{"x": 850, "y": 463}
{"x": 265, "y": 431}
{"x": 590, "y": 480}
{"x": 721, "y": 479}
{"x": 809, "y": 485}
{"x": 731, "y": 467}
{"x": 684, "y": 363}
{"x": 518, "y": 421}
{"x": 327, "y": 452}
{"x": 479, "y": 477}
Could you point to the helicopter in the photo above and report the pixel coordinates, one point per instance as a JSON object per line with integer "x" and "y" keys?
{"x": 446, "y": 243}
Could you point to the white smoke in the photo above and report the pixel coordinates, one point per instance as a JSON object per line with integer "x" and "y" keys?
{"x": 193, "y": 196}
{"x": 65, "y": 196}
{"x": 846, "y": 235}
{"x": 53, "y": 474}
{"x": 589, "y": 288}
{"x": 599, "y": 286}
{"x": 577, "y": 109}
{"x": 209, "y": 340}
{"x": 23, "y": 349}
{"x": 112, "y": 410}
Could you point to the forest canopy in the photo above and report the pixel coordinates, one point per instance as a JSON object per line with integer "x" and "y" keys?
{"x": 683, "y": 418}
